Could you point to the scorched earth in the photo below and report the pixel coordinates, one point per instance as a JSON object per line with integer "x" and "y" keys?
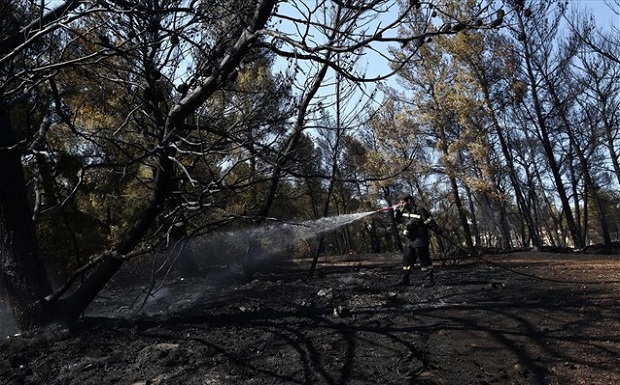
{"x": 518, "y": 318}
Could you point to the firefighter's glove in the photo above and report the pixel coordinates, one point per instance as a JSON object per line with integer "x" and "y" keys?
{"x": 410, "y": 226}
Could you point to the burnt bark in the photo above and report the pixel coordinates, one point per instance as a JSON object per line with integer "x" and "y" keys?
{"x": 23, "y": 274}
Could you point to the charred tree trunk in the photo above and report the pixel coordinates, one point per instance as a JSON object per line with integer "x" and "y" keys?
{"x": 461, "y": 210}
{"x": 525, "y": 209}
{"x": 23, "y": 274}
{"x": 504, "y": 224}
{"x": 583, "y": 153}
{"x": 474, "y": 217}
{"x": 22, "y": 270}
{"x": 610, "y": 142}
{"x": 547, "y": 143}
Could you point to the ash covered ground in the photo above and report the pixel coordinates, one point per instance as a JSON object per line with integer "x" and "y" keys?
{"x": 524, "y": 318}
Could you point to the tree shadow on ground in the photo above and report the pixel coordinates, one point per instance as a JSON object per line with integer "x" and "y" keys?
{"x": 480, "y": 325}
{"x": 519, "y": 329}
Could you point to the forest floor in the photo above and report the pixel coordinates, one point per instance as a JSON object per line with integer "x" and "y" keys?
{"x": 518, "y": 318}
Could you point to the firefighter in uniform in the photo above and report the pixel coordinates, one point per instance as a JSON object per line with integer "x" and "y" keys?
{"x": 417, "y": 223}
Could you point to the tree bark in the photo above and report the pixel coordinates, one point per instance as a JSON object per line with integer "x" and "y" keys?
{"x": 23, "y": 274}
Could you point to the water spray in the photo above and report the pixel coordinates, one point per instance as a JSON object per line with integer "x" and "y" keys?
{"x": 262, "y": 243}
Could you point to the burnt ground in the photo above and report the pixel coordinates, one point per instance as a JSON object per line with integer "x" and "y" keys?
{"x": 525, "y": 318}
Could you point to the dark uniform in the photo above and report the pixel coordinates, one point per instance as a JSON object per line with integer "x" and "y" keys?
{"x": 417, "y": 223}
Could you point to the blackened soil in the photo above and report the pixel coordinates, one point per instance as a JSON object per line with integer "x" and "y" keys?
{"x": 522, "y": 318}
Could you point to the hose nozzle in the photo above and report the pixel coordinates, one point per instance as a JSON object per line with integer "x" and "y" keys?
{"x": 388, "y": 208}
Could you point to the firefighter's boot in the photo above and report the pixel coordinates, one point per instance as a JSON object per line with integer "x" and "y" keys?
{"x": 404, "y": 280}
{"x": 429, "y": 279}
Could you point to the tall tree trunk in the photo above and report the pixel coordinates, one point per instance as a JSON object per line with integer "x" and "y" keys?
{"x": 533, "y": 207}
{"x": 504, "y": 224}
{"x": 591, "y": 186}
{"x": 526, "y": 210}
{"x": 543, "y": 134}
{"x": 461, "y": 210}
{"x": 610, "y": 143}
{"x": 458, "y": 202}
{"x": 474, "y": 217}
{"x": 22, "y": 271}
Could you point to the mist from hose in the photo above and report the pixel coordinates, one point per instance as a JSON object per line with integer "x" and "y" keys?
{"x": 220, "y": 259}
{"x": 261, "y": 242}
{"x": 257, "y": 245}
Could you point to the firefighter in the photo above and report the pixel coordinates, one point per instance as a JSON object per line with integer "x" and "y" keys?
{"x": 417, "y": 222}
